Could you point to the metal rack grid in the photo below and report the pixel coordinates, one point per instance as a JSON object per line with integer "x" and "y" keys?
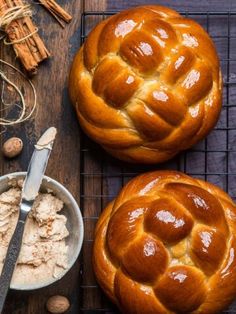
{"x": 102, "y": 176}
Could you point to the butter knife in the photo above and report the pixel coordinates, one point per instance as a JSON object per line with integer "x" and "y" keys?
{"x": 31, "y": 186}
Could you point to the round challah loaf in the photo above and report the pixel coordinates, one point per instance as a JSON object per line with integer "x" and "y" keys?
{"x": 146, "y": 84}
{"x": 167, "y": 244}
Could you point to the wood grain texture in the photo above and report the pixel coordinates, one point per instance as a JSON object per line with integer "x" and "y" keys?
{"x": 94, "y": 5}
{"x": 92, "y": 186}
{"x": 54, "y": 109}
{"x": 181, "y": 5}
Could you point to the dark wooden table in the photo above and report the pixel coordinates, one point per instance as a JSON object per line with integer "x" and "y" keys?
{"x": 54, "y": 108}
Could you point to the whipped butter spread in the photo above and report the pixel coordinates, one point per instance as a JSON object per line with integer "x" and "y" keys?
{"x": 43, "y": 254}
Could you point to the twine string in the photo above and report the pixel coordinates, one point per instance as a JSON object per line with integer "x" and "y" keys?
{"x": 13, "y": 14}
{"x": 18, "y": 41}
{"x": 23, "y": 115}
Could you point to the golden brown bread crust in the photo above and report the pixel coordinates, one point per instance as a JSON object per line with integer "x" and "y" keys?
{"x": 167, "y": 244}
{"x": 146, "y": 84}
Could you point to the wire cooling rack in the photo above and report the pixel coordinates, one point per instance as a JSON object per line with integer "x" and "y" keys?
{"x": 213, "y": 159}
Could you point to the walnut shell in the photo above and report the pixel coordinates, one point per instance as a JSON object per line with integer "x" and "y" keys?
{"x": 57, "y": 304}
{"x": 12, "y": 147}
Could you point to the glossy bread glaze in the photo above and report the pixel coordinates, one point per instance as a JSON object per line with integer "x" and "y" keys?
{"x": 167, "y": 244}
{"x": 146, "y": 84}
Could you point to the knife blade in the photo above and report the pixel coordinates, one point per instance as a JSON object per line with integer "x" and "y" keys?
{"x": 31, "y": 186}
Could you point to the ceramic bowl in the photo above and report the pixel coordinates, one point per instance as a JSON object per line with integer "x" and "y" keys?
{"x": 74, "y": 223}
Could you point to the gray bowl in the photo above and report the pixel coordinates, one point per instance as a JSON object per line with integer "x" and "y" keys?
{"x": 74, "y": 223}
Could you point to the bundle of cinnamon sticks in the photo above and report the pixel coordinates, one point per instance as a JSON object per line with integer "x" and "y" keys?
{"x": 22, "y": 33}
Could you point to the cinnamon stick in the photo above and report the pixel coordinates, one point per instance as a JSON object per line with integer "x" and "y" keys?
{"x": 56, "y": 10}
{"x": 22, "y": 34}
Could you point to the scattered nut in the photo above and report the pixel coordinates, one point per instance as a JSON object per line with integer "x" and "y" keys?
{"x": 57, "y": 304}
{"x": 12, "y": 147}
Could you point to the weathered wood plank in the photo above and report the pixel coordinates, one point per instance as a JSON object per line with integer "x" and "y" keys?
{"x": 181, "y": 5}
{"x": 92, "y": 188}
{"x": 54, "y": 108}
{"x": 93, "y": 5}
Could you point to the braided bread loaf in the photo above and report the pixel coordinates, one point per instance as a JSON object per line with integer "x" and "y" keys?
{"x": 146, "y": 84}
{"x": 167, "y": 244}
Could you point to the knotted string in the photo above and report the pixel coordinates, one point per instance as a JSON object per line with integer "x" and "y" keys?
{"x": 13, "y": 14}
{"x": 23, "y": 116}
